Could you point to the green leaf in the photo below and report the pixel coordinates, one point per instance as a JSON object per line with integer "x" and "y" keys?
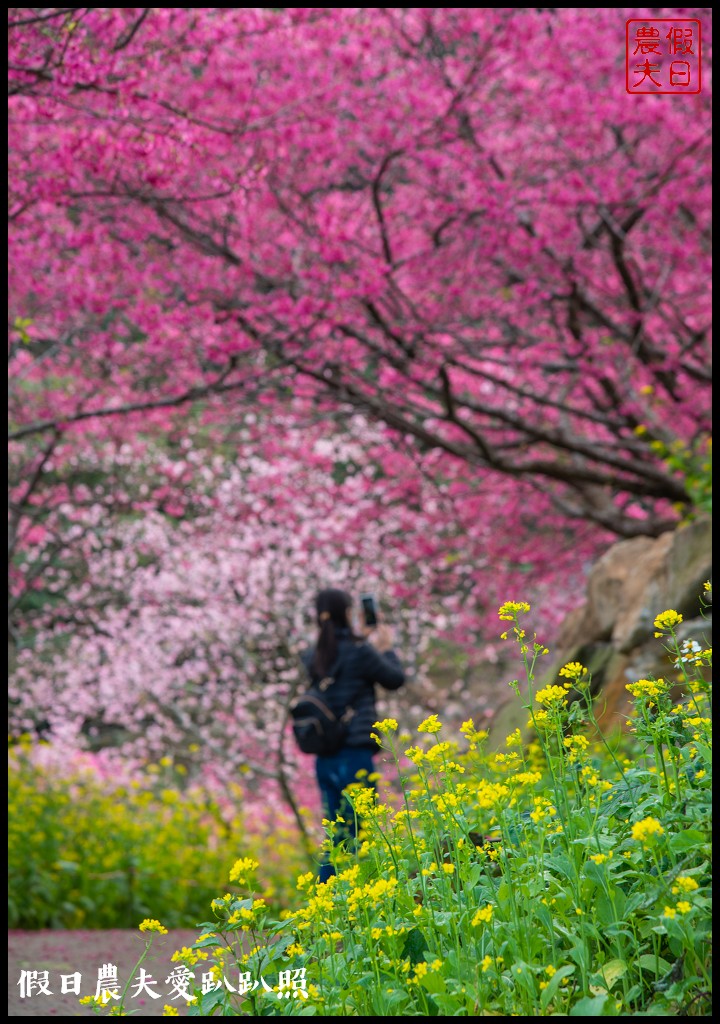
{"x": 213, "y": 940}
{"x": 415, "y": 946}
{"x": 589, "y": 1006}
{"x": 611, "y": 972}
{"x": 597, "y": 873}
{"x": 384, "y": 1002}
{"x": 657, "y": 965}
{"x": 434, "y": 983}
{"x": 688, "y": 840}
{"x": 473, "y": 875}
{"x": 67, "y": 865}
{"x": 548, "y": 994}
{"x": 207, "y": 1004}
{"x": 610, "y": 911}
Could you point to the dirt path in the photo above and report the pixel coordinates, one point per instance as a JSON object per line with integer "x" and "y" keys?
{"x": 86, "y": 952}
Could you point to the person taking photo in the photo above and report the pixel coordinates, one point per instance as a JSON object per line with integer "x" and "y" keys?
{"x": 357, "y": 664}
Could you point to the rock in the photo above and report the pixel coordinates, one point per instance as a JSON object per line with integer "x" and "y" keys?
{"x": 612, "y": 633}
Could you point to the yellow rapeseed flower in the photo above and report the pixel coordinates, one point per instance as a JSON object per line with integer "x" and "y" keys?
{"x": 543, "y": 809}
{"x": 576, "y": 745}
{"x": 188, "y": 956}
{"x": 430, "y": 725}
{"x": 415, "y": 754}
{"x": 445, "y": 802}
{"x": 387, "y": 725}
{"x": 573, "y": 670}
{"x": 526, "y": 778}
{"x": 666, "y": 621}
{"x": 241, "y": 868}
{"x": 647, "y": 687}
{"x": 510, "y": 760}
{"x": 151, "y": 925}
{"x": 490, "y": 795}
{"x": 541, "y": 720}
{"x": 551, "y": 696}
{"x": 514, "y": 739}
{"x": 510, "y": 609}
{"x": 684, "y": 883}
{"x": 646, "y": 830}
{"x": 472, "y": 734}
{"x": 438, "y": 752}
{"x": 483, "y": 915}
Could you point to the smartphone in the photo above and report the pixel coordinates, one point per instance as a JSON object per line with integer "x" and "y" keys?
{"x": 370, "y": 610}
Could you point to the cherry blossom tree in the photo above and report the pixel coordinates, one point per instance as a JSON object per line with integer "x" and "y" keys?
{"x": 452, "y": 219}
{"x": 186, "y": 630}
{"x": 444, "y": 243}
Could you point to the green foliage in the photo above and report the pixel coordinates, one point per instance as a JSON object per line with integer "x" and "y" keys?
{"x": 563, "y": 877}
{"x": 694, "y": 465}
{"x": 88, "y": 854}
{"x": 21, "y": 325}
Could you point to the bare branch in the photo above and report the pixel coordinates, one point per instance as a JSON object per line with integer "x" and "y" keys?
{"x": 60, "y": 12}
{"x": 127, "y": 38}
{"x": 377, "y": 181}
{"x": 192, "y": 395}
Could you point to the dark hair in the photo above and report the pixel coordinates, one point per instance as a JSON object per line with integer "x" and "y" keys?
{"x": 332, "y": 607}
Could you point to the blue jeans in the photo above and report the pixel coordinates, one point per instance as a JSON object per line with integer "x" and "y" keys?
{"x": 334, "y": 773}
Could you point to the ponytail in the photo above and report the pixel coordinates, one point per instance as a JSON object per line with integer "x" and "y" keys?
{"x": 332, "y": 607}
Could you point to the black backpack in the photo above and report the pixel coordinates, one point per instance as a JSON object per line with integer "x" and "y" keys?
{"x": 317, "y": 728}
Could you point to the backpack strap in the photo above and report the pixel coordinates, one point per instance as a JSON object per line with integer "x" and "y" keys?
{"x": 327, "y": 681}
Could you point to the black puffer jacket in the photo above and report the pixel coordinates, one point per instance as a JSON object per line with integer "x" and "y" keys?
{"x": 358, "y": 668}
